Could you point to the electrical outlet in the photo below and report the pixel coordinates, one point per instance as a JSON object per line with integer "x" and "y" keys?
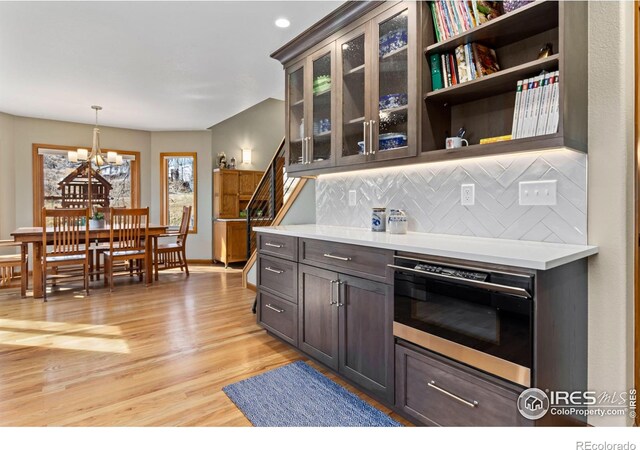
{"x": 352, "y": 198}
{"x": 538, "y": 192}
{"x": 468, "y": 194}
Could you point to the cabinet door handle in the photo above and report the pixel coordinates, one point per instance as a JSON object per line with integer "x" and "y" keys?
{"x": 372, "y": 149}
{"x": 273, "y": 308}
{"x": 339, "y": 303}
{"x": 269, "y": 244}
{"x": 341, "y": 258}
{"x": 269, "y": 269}
{"x": 331, "y": 301}
{"x": 432, "y": 385}
{"x": 364, "y": 136}
{"x": 308, "y": 151}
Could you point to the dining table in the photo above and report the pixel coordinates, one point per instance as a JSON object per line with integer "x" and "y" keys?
{"x": 33, "y": 236}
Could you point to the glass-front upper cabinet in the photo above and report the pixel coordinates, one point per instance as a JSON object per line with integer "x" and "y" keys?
{"x": 295, "y": 115}
{"x": 354, "y": 106}
{"x": 395, "y": 83}
{"x": 378, "y": 97}
{"x": 310, "y": 113}
{"x": 321, "y": 140}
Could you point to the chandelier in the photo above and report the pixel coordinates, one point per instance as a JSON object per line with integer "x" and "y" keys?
{"x": 96, "y": 157}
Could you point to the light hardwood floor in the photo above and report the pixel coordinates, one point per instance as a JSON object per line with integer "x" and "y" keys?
{"x": 156, "y": 356}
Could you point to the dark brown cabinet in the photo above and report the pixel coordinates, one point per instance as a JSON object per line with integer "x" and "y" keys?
{"x": 345, "y": 322}
{"x": 310, "y": 99}
{"x": 366, "y": 334}
{"x": 384, "y": 110}
{"x": 377, "y": 101}
{"x": 436, "y": 391}
{"x": 356, "y": 99}
{"x": 318, "y": 314}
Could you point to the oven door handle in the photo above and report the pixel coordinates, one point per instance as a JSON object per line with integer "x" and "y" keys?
{"x": 501, "y": 288}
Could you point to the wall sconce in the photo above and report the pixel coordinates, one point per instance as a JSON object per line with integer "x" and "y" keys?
{"x": 111, "y": 157}
{"x": 72, "y": 157}
{"x": 246, "y": 156}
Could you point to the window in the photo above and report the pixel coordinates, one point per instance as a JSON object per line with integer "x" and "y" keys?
{"x": 51, "y": 165}
{"x": 179, "y": 187}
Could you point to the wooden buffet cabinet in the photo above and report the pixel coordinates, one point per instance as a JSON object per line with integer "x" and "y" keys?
{"x": 232, "y": 190}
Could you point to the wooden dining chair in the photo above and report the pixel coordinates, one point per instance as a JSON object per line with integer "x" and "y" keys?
{"x": 173, "y": 254}
{"x": 10, "y": 261}
{"x": 98, "y": 248}
{"x": 65, "y": 245}
{"x": 128, "y": 241}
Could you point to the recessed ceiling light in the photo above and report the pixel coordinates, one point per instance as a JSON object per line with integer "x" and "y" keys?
{"x": 282, "y": 23}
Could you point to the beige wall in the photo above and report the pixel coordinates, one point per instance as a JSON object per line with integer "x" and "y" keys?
{"x": 610, "y": 199}
{"x": 7, "y": 176}
{"x": 260, "y": 128}
{"x": 198, "y": 244}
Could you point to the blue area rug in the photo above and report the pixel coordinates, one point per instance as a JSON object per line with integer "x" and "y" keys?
{"x": 297, "y": 395}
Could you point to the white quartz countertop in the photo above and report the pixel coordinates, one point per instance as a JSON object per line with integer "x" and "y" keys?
{"x": 526, "y": 254}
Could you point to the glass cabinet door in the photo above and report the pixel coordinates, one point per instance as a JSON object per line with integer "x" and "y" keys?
{"x": 321, "y": 138}
{"x": 295, "y": 127}
{"x": 396, "y": 82}
{"x": 354, "y": 114}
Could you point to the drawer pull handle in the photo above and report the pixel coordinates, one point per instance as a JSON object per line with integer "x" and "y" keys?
{"x": 341, "y": 258}
{"x": 269, "y": 244}
{"x": 274, "y": 270}
{"x": 453, "y": 396}
{"x": 273, "y": 308}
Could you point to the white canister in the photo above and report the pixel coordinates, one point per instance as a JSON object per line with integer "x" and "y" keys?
{"x": 397, "y": 222}
{"x": 378, "y": 219}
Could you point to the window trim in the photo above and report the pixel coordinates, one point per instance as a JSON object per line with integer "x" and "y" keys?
{"x": 38, "y": 176}
{"x": 164, "y": 192}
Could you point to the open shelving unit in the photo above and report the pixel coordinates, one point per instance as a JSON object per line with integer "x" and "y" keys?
{"x": 485, "y": 106}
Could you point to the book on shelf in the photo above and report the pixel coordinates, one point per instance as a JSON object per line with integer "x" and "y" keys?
{"x": 454, "y": 17}
{"x": 537, "y": 106}
{"x": 436, "y": 73}
{"x": 485, "y": 59}
{"x": 466, "y": 63}
{"x": 463, "y": 67}
{"x": 491, "y": 140}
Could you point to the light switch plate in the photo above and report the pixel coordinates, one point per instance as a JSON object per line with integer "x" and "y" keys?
{"x": 352, "y": 198}
{"x": 468, "y": 194}
{"x": 536, "y": 193}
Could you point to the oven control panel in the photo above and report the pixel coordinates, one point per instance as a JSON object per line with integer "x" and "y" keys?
{"x": 458, "y": 273}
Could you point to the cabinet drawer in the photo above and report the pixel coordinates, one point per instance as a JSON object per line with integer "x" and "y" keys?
{"x": 278, "y": 276}
{"x": 278, "y": 316}
{"x": 437, "y": 393}
{"x": 277, "y": 245}
{"x": 365, "y": 262}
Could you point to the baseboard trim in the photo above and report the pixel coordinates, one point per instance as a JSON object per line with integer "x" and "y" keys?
{"x": 251, "y": 287}
{"x": 200, "y": 261}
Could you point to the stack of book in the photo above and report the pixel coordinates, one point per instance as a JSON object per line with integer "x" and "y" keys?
{"x": 537, "y": 108}
{"x": 468, "y": 62}
{"x": 454, "y": 17}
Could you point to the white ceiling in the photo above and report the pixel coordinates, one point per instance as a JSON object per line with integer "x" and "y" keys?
{"x": 151, "y": 65}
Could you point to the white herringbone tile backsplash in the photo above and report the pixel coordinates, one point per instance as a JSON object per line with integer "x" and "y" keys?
{"x": 430, "y": 194}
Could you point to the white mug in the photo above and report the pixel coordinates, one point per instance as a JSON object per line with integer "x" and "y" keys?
{"x": 455, "y": 142}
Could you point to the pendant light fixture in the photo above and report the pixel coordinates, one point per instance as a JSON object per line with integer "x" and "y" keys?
{"x": 96, "y": 157}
